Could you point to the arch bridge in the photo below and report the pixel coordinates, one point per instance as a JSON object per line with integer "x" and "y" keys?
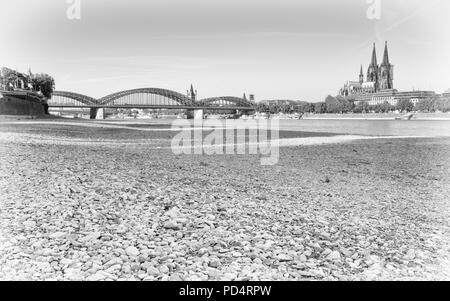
{"x": 146, "y": 98}
{"x": 70, "y": 99}
{"x": 225, "y": 102}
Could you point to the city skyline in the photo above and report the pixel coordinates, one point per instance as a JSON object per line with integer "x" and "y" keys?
{"x": 283, "y": 51}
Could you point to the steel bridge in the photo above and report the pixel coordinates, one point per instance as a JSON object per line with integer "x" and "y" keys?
{"x": 147, "y": 98}
{"x": 71, "y": 100}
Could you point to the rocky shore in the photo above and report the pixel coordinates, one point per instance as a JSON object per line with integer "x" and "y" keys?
{"x": 99, "y": 203}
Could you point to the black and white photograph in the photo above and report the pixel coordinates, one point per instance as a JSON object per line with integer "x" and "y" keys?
{"x": 225, "y": 141}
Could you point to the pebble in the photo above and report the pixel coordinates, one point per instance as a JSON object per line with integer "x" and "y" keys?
{"x": 257, "y": 261}
{"x": 29, "y": 224}
{"x": 126, "y": 269}
{"x": 57, "y": 235}
{"x": 122, "y": 229}
{"x": 326, "y": 252}
{"x": 303, "y": 258}
{"x": 99, "y": 276}
{"x": 202, "y": 251}
{"x": 284, "y": 257}
{"x": 334, "y": 255}
{"x": 171, "y": 225}
{"x": 114, "y": 261}
{"x": 164, "y": 269}
{"x": 152, "y": 271}
{"x": 410, "y": 255}
{"x": 132, "y": 251}
{"x": 215, "y": 263}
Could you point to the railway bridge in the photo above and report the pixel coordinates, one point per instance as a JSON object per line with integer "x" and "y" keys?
{"x": 147, "y": 98}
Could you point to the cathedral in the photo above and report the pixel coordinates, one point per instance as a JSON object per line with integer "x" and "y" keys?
{"x": 379, "y": 77}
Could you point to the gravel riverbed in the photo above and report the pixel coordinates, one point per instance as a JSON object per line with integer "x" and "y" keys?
{"x": 100, "y": 203}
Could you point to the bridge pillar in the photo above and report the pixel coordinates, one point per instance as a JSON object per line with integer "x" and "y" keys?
{"x": 198, "y": 114}
{"x": 93, "y": 113}
{"x": 100, "y": 114}
{"x": 194, "y": 114}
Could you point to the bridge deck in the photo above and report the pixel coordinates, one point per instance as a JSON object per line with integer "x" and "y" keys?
{"x": 174, "y": 107}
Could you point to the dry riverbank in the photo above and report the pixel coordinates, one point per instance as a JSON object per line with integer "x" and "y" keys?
{"x": 94, "y": 204}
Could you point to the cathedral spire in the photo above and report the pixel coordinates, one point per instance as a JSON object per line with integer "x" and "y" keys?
{"x": 386, "y": 73}
{"x": 192, "y": 94}
{"x": 361, "y": 75}
{"x": 374, "y": 57}
{"x": 385, "y": 56}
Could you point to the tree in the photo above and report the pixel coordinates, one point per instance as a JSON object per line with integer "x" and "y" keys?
{"x": 43, "y": 83}
{"x": 320, "y": 108}
{"x": 10, "y": 77}
{"x": 349, "y": 106}
{"x": 333, "y": 105}
{"x": 261, "y": 107}
{"x": 345, "y": 105}
{"x": 361, "y": 107}
{"x": 442, "y": 104}
{"x": 376, "y": 108}
{"x": 304, "y": 107}
{"x": 287, "y": 108}
{"x": 351, "y": 98}
{"x": 366, "y": 107}
{"x": 358, "y": 108}
{"x": 405, "y": 105}
{"x": 385, "y": 107}
{"x": 426, "y": 105}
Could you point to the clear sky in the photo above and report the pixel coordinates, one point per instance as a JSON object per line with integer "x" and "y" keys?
{"x": 275, "y": 49}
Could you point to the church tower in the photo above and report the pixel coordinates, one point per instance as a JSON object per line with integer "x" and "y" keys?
{"x": 361, "y": 76}
{"x": 386, "y": 72}
{"x": 372, "y": 71}
{"x": 192, "y": 94}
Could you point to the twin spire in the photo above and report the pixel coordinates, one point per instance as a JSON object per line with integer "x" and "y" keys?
{"x": 386, "y": 56}
{"x": 374, "y": 57}
{"x": 374, "y": 61}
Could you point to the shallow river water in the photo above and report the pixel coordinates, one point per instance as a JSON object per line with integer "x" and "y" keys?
{"x": 372, "y": 127}
{"x": 426, "y": 128}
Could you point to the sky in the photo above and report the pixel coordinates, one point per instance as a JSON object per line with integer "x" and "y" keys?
{"x": 275, "y": 49}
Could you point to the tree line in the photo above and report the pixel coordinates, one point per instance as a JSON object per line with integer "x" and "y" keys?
{"x": 343, "y": 105}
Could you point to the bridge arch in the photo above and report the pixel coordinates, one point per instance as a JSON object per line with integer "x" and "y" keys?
{"x": 224, "y": 101}
{"x": 64, "y": 98}
{"x": 146, "y": 97}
